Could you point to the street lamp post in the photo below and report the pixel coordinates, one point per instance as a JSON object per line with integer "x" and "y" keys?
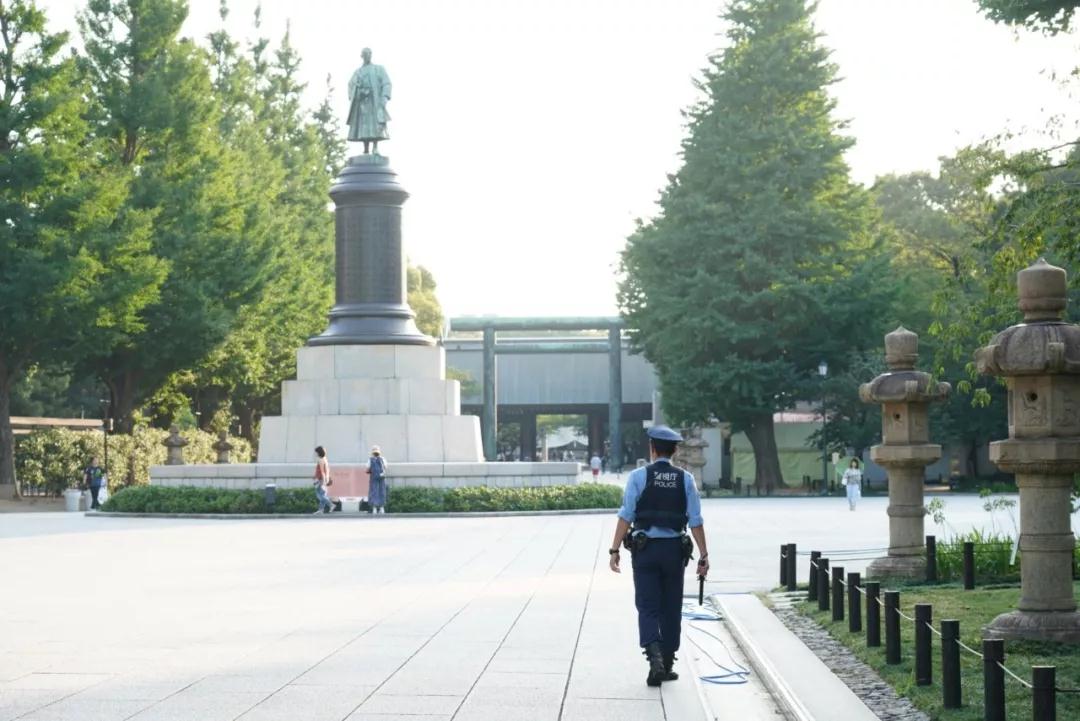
{"x": 106, "y": 426}
{"x": 823, "y": 371}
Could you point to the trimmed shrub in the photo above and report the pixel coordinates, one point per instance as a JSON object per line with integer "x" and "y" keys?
{"x": 188, "y": 499}
{"x": 158, "y": 499}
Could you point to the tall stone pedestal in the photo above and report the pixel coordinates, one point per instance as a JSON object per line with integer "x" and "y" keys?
{"x": 348, "y": 398}
{"x": 370, "y": 305}
{"x": 1040, "y": 361}
{"x": 904, "y": 394}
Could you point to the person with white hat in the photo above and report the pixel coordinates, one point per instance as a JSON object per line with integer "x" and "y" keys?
{"x": 659, "y": 502}
{"x": 376, "y": 470}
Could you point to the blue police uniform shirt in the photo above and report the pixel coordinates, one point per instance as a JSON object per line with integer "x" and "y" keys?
{"x": 635, "y": 485}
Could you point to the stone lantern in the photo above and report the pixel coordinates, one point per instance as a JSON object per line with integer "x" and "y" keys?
{"x": 1040, "y": 362}
{"x": 175, "y": 445}
{"x": 222, "y": 446}
{"x": 905, "y": 395}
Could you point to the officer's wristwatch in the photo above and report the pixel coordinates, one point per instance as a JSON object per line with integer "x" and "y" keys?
{"x": 613, "y": 551}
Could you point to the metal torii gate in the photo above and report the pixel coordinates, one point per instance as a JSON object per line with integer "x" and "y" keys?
{"x": 613, "y": 347}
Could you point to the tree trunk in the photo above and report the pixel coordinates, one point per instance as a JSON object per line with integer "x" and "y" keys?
{"x": 122, "y": 400}
{"x": 247, "y": 418}
{"x": 766, "y": 458}
{"x": 9, "y": 488}
{"x": 972, "y": 460}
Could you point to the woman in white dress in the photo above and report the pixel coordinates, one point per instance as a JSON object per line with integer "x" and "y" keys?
{"x": 853, "y": 482}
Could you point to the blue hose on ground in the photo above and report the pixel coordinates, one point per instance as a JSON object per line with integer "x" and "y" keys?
{"x": 731, "y": 677}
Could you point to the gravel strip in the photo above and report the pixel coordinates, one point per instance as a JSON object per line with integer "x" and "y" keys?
{"x": 878, "y": 695}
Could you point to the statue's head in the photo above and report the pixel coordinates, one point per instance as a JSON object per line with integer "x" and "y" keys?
{"x": 366, "y": 55}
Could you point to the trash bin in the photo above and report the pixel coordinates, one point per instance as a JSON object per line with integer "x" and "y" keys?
{"x": 270, "y": 494}
{"x": 71, "y": 500}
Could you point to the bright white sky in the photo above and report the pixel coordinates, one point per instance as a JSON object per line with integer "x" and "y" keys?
{"x": 531, "y": 133}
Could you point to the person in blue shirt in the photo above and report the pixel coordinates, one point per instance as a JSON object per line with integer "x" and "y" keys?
{"x": 659, "y": 502}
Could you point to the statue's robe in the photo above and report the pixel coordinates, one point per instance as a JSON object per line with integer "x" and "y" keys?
{"x": 369, "y": 90}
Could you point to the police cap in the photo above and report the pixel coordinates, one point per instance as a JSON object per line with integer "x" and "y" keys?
{"x": 663, "y": 433}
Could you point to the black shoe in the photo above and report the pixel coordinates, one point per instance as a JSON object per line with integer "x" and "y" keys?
{"x": 669, "y": 663}
{"x": 656, "y": 664}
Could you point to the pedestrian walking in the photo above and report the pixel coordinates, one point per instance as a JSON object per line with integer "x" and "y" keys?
{"x": 94, "y": 479}
{"x": 595, "y": 463}
{"x": 659, "y": 503}
{"x": 853, "y": 482}
{"x": 376, "y": 469}
{"x": 322, "y": 480}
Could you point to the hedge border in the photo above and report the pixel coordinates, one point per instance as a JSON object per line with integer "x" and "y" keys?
{"x": 315, "y": 516}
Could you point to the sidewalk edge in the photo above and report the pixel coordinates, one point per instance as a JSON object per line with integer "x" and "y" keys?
{"x": 781, "y": 692}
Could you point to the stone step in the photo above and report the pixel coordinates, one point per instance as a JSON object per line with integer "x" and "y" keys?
{"x": 402, "y": 438}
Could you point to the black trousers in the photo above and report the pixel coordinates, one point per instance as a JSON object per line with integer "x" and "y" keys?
{"x": 94, "y": 491}
{"x": 658, "y": 592}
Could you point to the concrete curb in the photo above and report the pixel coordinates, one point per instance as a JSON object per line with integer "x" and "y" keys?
{"x": 793, "y": 709}
{"x": 313, "y": 516}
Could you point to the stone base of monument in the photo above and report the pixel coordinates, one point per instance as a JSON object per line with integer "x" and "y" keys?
{"x": 1062, "y": 626}
{"x": 900, "y": 567}
{"x": 348, "y": 398}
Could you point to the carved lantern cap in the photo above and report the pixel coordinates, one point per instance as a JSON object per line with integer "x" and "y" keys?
{"x": 1043, "y": 344}
{"x": 1041, "y": 289}
{"x": 901, "y": 349}
{"x": 174, "y": 439}
{"x": 222, "y": 443}
{"x": 902, "y": 384}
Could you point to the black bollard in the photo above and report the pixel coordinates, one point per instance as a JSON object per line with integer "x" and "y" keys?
{"x": 1044, "y": 693}
{"x": 783, "y": 565}
{"x": 854, "y": 583}
{"x": 969, "y": 565}
{"x": 838, "y": 593}
{"x": 950, "y": 664}
{"x": 873, "y": 614}
{"x": 892, "y": 627}
{"x": 931, "y": 559}
{"x": 811, "y": 591}
{"x": 924, "y": 668}
{"x": 792, "y": 558}
{"x": 823, "y": 584}
{"x": 993, "y": 679}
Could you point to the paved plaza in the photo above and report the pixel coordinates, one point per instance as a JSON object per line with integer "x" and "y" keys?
{"x": 373, "y": 618}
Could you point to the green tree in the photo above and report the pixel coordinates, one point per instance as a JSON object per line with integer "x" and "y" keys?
{"x": 156, "y": 109}
{"x": 1052, "y": 16}
{"x": 945, "y": 229}
{"x": 422, "y": 299}
{"x": 761, "y": 262}
{"x": 290, "y": 162}
{"x": 72, "y": 276}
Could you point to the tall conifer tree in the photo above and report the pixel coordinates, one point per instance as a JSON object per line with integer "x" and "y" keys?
{"x": 73, "y": 278}
{"x": 156, "y": 108}
{"x": 759, "y": 264}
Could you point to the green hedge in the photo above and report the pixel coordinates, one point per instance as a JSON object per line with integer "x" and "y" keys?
{"x": 53, "y": 460}
{"x": 157, "y": 499}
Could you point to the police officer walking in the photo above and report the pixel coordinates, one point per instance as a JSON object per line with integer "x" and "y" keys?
{"x": 659, "y": 503}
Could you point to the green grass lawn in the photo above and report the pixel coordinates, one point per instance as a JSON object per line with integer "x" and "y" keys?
{"x": 973, "y": 609}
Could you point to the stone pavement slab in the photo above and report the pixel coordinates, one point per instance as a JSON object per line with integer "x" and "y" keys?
{"x": 464, "y": 618}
